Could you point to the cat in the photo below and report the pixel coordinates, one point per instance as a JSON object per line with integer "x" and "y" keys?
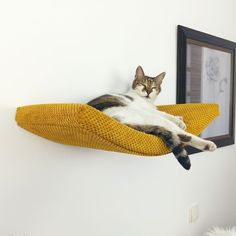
{"x": 136, "y": 109}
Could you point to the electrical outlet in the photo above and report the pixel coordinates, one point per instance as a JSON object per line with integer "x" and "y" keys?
{"x": 193, "y": 213}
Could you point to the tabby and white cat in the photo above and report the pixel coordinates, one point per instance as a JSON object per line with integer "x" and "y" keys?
{"x": 136, "y": 109}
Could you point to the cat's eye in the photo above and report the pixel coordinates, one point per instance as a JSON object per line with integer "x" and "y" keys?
{"x": 143, "y": 85}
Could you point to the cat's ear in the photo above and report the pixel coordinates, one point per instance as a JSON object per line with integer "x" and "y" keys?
{"x": 158, "y": 79}
{"x": 139, "y": 73}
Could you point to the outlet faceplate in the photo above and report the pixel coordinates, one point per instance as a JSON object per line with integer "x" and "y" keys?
{"x": 193, "y": 213}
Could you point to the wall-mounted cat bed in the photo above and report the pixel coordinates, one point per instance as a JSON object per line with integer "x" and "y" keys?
{"x": 82, "y": 125}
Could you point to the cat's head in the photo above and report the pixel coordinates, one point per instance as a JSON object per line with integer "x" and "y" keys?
{"x": 145, "y": 86}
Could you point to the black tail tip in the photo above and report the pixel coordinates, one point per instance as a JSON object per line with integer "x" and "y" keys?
{"x": 185, "y": 162}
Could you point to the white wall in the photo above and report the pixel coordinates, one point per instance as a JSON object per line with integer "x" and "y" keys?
{"x": 70, "y": 51}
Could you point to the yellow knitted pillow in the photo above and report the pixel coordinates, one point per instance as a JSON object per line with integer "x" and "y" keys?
{"x": 82, "y": 125}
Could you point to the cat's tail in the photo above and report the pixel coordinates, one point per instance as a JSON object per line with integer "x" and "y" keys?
{"x": 172, "y": 141}
{"x": 182, "y": 156}
{"x": 177, "y": 148}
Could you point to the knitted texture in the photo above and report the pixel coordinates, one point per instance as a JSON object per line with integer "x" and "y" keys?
{"x": 82, "y": 125}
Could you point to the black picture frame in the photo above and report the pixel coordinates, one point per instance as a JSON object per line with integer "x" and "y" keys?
{"x": 197, "y": 68}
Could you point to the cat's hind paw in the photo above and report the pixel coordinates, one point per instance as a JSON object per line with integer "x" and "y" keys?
{"x": 210, "y": 146}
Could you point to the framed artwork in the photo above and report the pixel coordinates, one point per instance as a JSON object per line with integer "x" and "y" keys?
{"x": 206, "y": 74}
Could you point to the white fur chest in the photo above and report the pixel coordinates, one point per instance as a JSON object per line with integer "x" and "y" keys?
{"x": 137, "y": 111}
{"x": 142, "y": 105}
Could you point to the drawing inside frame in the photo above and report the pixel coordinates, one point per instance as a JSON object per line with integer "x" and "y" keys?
{"x": 206, "y": 74}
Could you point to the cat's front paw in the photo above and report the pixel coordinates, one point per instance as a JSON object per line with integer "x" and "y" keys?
{"x": 179, "y": 121}
{"x": 210, "y": 146}
{"x": 180, "y": 124}
{"x": 180, "y": 118}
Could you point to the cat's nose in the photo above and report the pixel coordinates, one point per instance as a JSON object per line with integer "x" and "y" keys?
{"x": 148, "y": 92}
